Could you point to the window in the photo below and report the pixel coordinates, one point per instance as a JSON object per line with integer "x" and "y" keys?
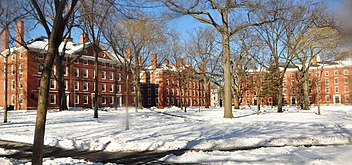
{"x": 54, "y": 70}
{"x": 66, "y": 71}
{"x": 85, "y": 62}
{"x": 76, "y": 99}
{"x": 103, "y": 87}
{"x": 76, "y": 85}
{"x": 111, "y": 100}
{"x": 149, "y": 101}
{"x": 40, "y": 56}
{"x": 85, "y": 86}
{"x": 327, "y": 98}
{"x": 346, "y": 89}
{"x": 327, "y": 90}
{"x": 336, "y": 80}
{"x": 345, "y": 79}
{"x": 21, "y": 98}
{"x": 284, "y": 84}
{"x": 149, "y": 92}
{"x": 13, "y": 99}
{"x": 52, "y": 99}
{"x": 111, "y": 75}
{"x": 77, "y": 61}
{"x": 111, "y": 65}
{"x": 318, "y": 74}
{"x": 345, "y": 72}
{"x": 285, "y": 91}
{"x": 292, "y": 75}
{"x": 167, "y": 91}
{"x": 118, "y": 77}
{"x": 66, "y": 85}
{"x": 85, "y": 73}
{"x": 13, "y": 84}
{"x": 21, "y": 68}
{"x": 13, "y": 70}
{"x": 85, "y": 99}
{"x": 118, "y": 88}
{"x": 93, "y": 86}
{"x": 111, "y": 89}
{"x": 75, "y": 72}
{"x": 336, "y": 72}
{"x": 93, "y": 74}
{"x": 326, "y": 73}
{"x": 310, "y": 82}
{"x": 336, "y": 89}
{"x": 326, "y": 81}
{"x": 103, "y": 75}
{"x": 52, "y": 84}
{"x": 13, "y": 56}
{"x": 103, "y": 99}
{"x": 21, "y": 55}
{"x": 347, "y": 98}
{"x": 103, "y": 64}
{"x": 21, "y": 83}
{"x": 247, "y": 101}
{"x": 310, "y": 90}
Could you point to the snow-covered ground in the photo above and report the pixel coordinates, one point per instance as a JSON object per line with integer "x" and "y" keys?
{"x": 282, "y": 135}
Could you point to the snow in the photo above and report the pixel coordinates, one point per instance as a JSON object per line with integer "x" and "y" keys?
{"x": 49, "y": 161}
{"x": 268, "y": 138}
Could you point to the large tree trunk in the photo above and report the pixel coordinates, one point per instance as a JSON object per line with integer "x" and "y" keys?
{"x": 206, "y": 86}
{"x": 126, "y": 102}
{"x": 305, "y": 91}
{"x": 96, "y": 62}
{"x": 138, "y": 87}
{"x": 6, "y": 84}
{"x": 280, "y": 96}
{"x": 38, "y": 145}
{"x": 61, "y": 82}
{"x": 227, "y": 74}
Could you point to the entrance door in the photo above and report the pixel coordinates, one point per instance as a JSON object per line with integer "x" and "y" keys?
{"x": 337, "y": 99}
{"x": 255, "y": 101}
{"x": 293, "y": 101}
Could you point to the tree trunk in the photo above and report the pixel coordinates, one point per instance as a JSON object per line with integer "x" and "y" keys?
{"x": 6, "y": 84}
{"x": 61, "y": 82}
{"x": 138, "y": 87}
{"x": 38, "y": 145}
{"x": 305, "y": 91}
{"x": 227, "y": 75}
{"x": 206, "y": 86}
{"x": 280, "y": 96}
{"x": 96, "y": 62}
{"x": 126, "y": 102}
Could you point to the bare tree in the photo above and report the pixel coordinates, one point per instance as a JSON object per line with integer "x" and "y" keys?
{"x": 95, "y": 14}
{"x": 54, "y": 27}
{"x": 223, "y": 18}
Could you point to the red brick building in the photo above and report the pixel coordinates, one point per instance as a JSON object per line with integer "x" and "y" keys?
{"x": 173, "y": 85}
{"x": 331, "y": 78}
{"x": 24, "y": 71}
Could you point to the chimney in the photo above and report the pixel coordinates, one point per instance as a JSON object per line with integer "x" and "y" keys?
{"x": 83, "y": 38}
{"x": 154, "y": 61}
{"x": 128, "y": 54}
{"x": 19, "y": 33}
{"x": 180, "y": 62}
{"x": 5, "y": 39}
{"x": 314, "y": 61}
{"x": 166, "y": 62}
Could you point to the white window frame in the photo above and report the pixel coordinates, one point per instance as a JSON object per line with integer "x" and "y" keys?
{"x": 85, "y": 86}
{"x": 76, "y": 84}
{"x": 54, "y": 98}
{"x": 85, "y": 99}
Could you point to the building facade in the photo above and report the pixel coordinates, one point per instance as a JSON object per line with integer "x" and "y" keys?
{"x": 330, "y": 80}
{"x": 24, "y": 66}
{"x": 173, "y": 85}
